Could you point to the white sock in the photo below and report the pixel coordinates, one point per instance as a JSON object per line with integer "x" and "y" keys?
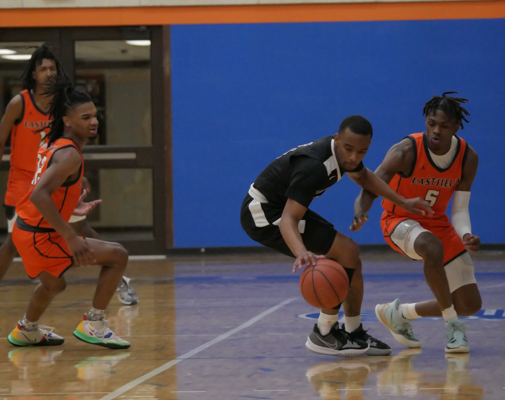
{"x": 325, "y": 322}
{"x": 408, "y": 311}
{"x": 352, "y": 323}
{"x": 29, "y": 325}
{"x": 449, "y": 314}
{"x": 95, "y": 314}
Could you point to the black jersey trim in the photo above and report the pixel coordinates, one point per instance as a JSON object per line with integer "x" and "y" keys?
{"x": 29, "y": 228}
{"x": 67, "y": 184}
{"x": 20, "y": 119}
{"x": 456, "y": 256}
{"x": 465, "y": 155}
{"x": 62, "y": 204}
{"x": 42, "y": 254}
{"x": 66, "y": 269}
{"x": 35, "y": 104}
{"x": 398, "y": 188}
{"x": 428, "y": 155}
{"x": 414, "y": 162}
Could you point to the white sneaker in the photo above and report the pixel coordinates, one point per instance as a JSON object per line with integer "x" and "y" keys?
{"x": 126, "y": 293}
{"x": 99, "y": 333}
{"x": 40, "y": 336}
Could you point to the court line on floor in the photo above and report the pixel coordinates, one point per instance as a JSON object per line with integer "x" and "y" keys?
{"x": 191, "y": 353}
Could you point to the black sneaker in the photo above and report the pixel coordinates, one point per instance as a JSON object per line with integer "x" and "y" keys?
{"x": 377, "y": 348}
{"x": 337, "y": 343}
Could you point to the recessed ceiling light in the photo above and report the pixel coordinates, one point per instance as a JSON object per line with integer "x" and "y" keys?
{"x": 17, "y": 57}
{"x": 6, "y": 51}
{"x": 139, "y": 42}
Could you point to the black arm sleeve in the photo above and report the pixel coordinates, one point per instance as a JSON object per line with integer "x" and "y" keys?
{"x": 307, "y": 176}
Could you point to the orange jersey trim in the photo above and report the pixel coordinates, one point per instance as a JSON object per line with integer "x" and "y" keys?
{"x": 233, "y": 14}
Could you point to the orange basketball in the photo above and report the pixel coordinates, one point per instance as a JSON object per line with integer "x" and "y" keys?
{"x": 325, "y": 285}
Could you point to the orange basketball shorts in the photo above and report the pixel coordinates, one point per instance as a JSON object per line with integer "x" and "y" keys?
{"x": 441, "y": 228}
{"x": 17, "y": 186}
{"x": 42, "y": 251}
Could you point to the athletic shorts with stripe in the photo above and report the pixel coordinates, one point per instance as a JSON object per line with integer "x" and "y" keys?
{"x": 44, "y": 250}
{"x": 260, "y": 220}
{"x": 441, "y": 228}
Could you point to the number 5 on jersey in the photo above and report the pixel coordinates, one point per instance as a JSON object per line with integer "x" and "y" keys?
{"x": 40, "y": 165}
{"x": 432, "y": 197}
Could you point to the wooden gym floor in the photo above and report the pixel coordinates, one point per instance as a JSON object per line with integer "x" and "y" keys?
{"x": 234, "y": 327}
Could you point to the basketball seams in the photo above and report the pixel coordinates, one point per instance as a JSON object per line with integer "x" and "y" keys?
{"x": 336, "y": 269}
{"x": 314, "y": 288}
{"x": 331, "y": 285}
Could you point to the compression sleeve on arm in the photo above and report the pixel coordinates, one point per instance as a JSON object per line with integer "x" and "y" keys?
{"x": 460, "y": 215}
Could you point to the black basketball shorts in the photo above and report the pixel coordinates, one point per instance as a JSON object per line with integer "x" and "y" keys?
{"x": 261, "y": 223}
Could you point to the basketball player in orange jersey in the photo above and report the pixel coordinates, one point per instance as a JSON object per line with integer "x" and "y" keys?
{"x": 435, "y": 165}
{"x": 24, "y": 119}
{"x": 45, "y": 241}
{"x": 276, "y": 213}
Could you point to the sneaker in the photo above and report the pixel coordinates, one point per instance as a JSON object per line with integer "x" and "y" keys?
{"x": 99, "y": 333}
{"x": 391, "y": 317}
{"x": 456, "y": 337}
{"x": 377, "y": 348}
{"x": 337, "y": 343}
{"x": 127, "y": 294}
{"x": 40, "y": 336}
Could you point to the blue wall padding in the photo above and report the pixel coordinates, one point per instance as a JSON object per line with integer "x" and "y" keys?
{"x": 244, "y": 94}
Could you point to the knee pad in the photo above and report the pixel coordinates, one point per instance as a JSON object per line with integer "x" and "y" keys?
{"x": 404, "y": 236}
{"x": 460, "y": 272}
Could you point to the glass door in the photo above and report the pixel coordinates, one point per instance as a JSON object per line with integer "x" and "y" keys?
{"x": 126, "y": 165}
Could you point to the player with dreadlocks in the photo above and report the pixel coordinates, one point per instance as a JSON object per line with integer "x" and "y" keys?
{"x": 26, "y": 120}
{"x": 45, "y": 241}
{"x": 436, "y": 165}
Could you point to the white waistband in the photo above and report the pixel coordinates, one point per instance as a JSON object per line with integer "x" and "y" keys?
{"x": 257, "y": 195}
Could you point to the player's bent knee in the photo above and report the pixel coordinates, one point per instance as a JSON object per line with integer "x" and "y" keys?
{"x": 120, "y": 254}
{"x": 469, "y": 307}
{"x": 430, "y": 248}
{"x": 345, "y": 251}
{"x": 53, "y": 288}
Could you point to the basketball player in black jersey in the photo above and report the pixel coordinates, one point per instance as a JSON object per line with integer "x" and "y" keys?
{"x": 275, "y": 213}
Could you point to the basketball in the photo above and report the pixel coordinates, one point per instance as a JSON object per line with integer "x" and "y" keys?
{"x": 325, "y": 285}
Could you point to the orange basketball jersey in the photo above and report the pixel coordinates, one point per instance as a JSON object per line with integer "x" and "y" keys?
{"x": 65, "y": 198}
{"x": 25, "y": 140}
{"x": 427, "y": 180}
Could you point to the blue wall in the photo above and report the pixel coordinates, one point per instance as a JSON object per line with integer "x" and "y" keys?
{"x": 244, "y": 94}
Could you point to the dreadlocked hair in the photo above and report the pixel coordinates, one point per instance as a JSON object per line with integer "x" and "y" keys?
{"x": 449, "y": 105}
{"x": 65, "y": 95}
{"x": 41, "y": 53}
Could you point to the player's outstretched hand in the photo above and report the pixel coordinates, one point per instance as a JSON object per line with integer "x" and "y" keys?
{"x": 471, "y": 242}
{"x": 358, "y": 221}
{"x": 81, "y": 251}
{"x": 306, "y": 258}
{"x": 82, "y": 208}
{"x": 418, "y": 206}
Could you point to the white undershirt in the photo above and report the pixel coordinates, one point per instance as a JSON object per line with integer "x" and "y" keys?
{"x": 446, "y": 159}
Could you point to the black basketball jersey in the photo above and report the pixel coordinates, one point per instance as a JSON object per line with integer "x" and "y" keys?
{"x": 302, "y": 174}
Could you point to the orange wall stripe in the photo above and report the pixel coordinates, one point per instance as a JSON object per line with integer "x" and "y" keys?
{"x": 48, "y": 17}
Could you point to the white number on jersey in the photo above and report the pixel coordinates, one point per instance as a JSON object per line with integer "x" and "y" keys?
{"x": 432, "y": 197}
{"x": 40, "y": 165}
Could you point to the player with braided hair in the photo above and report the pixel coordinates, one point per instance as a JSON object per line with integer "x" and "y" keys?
{"x": 436, "y": 165}
{"x": 45, "y": 241}
{"x": 26, "y": 121}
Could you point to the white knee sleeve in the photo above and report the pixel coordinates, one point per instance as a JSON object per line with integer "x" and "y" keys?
{"x": 405, "y": 235}
{"x": 11, "y": 222}
{"x": 460, "y": 272}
